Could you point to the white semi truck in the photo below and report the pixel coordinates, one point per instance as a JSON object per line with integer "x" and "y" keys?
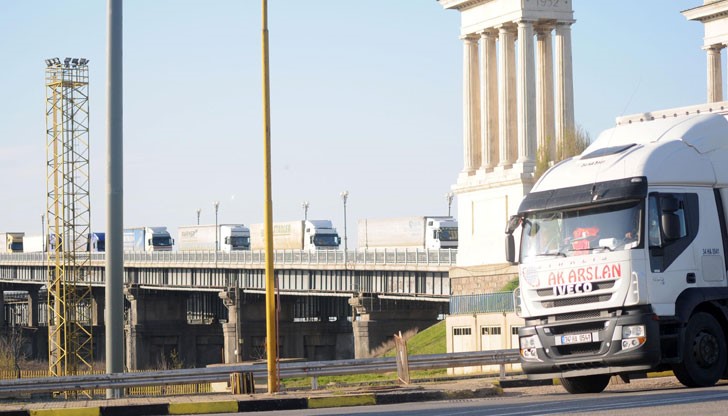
{"x": 623, "y": 254}
{"x": 297, "y": 235}
{"x": 431, "y": 233}
{"x": 229, "y": 237}
{"x": 11, "y": 242}
{"x": 147, "y": 239}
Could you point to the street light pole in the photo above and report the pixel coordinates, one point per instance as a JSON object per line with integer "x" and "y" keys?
{"x": 217, "y": 247}
{"x": 305, "y": 210}
{"x": 448, "y": 197}
{"x": 344, "y": 197}
{"x": 216, "y": 204}
{"x": 42, "y": 231}
{"x": 199, "y": 210}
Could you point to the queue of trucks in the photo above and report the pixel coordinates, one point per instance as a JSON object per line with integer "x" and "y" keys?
{"x": 623, "y": 254}
{"x": 430, "y": 232}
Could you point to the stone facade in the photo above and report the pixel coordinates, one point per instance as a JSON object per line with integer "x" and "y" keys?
{"x": 714, "y": 16}
{"x": 517, "y": 94}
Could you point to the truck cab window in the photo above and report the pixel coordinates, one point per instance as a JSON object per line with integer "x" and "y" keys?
{"x": 672, "y": 224}
{"x": 582, "y": 230}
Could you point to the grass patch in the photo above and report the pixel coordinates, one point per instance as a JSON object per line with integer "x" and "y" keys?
{"x": 430, "y": 341}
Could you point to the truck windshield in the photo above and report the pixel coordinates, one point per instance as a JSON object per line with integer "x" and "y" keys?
{"x": 161, "y": 241}
{"x": 240, "y": 241}
{"x": 326, "y": 240}
{"x": 583, "y": 230}
{"x": 448, "y": 234}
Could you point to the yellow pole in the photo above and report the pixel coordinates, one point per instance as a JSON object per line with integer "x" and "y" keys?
{"x": 270, "y": 306}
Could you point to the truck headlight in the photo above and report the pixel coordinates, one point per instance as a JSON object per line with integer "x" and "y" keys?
{"x": 529, "y": 345}
{"x": 633, "y": 336}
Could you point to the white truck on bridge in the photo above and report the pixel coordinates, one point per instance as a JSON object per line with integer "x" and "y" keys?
{"x": 147, "y": 239}
{"x": 297, "y": 235}
{"x": 623, "y": 255}
{"x": 11, "y": 242}
{"x": 432, "y": 233}
{"x": 230, "y": 237}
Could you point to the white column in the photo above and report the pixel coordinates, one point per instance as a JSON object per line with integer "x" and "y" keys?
{"x": 545, "y": 91}
{"x": 489, "y": 99}
{"x": 526, "y": 94}
{"x": 715, "y": 71}
{"x": 507, "y": 96}
{"x": 564, "y": 82}
{"x": 471, "y": 105}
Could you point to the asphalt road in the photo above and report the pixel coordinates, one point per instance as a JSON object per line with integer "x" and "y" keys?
{"x": 663, "y": 398}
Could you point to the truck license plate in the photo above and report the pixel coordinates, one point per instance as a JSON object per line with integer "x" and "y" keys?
{"x": 574, "y": 339}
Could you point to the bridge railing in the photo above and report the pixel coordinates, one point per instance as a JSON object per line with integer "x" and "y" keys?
{"x": 284, "y": 257}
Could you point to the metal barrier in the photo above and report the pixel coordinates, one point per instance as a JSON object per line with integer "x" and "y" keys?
{"x": 445, "y": 257}
{"x": 221, "y": 373}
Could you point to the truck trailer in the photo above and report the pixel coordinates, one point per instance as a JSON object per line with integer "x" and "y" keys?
{"x": 12, "y": 242}
{"x": 623, "y": 254}
{"x": 147, "y": 239}
{"x": 229, "y": 237}
{"x": 430, "y": 232}
{"x": 297, "y": 235}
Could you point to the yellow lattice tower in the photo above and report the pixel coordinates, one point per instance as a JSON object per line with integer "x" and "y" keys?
{"x": 70, "y": 341}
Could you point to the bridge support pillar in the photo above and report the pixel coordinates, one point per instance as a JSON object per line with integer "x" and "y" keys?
{"x": 158, "y": 335}
{"x": 2, "y": 308}
{"x": 232, "y": 346}
{"x": 376, "y": 321}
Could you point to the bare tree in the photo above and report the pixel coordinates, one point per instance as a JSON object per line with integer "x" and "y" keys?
{"x": 12, "y": 349}
{"x": 574, "y": 142}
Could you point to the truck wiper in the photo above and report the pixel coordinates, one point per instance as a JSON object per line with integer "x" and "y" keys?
{"x": 556, "y": 254}
{"x": 591, "y": 248}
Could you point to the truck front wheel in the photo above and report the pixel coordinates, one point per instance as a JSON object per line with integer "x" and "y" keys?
{"x": 704, "y": 352}
{"x": 586, "y": 384}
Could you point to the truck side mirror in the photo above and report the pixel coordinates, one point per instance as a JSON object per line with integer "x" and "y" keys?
{"x": 510, "y": 249}
{"x": 513, "y": 223}
{"x": 671, "y": 226}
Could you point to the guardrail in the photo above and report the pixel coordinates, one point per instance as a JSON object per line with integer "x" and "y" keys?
{"x": 446, "y": 257}
{"x": 222, "y": 372}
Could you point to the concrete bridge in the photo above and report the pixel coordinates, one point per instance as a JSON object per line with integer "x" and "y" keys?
{"x": 207, "y": 307}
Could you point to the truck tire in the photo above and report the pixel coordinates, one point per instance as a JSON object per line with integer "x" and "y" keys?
{"x": 586, "y": 384}
{"x": 704, "y": 352}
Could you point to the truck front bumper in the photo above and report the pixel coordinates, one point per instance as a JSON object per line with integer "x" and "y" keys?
{"x": 591, "y": 346}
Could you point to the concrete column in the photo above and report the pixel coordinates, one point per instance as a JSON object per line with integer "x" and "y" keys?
{"x": 232, "y": 348}
{"x": 471, "y": 105}
{"x": 545, "y": 91}
{"x": 98, "y": 304}
{"x": 564, "y": 82}
{"x": 33, "y": 309}
{"x": 489, "y": 99}
{"x": 715, "y": 71}
{"x": 526, "y": 95}
{"x": 507, "y": 96}
{"x": 378, "y": 321}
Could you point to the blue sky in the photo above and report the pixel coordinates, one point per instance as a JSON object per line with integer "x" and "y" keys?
{"x": 366, "y": 96}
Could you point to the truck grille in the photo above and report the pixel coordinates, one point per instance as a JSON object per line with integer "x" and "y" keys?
{"x": 581, "y": 366}
{"x": 577, "y": 315}
{"x": 578, "y": 328}
{"x": 590, "y": 348}
{"x": 575, "y": 301}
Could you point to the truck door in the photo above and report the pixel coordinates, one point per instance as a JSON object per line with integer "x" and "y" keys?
{"x": 675, "y": 243}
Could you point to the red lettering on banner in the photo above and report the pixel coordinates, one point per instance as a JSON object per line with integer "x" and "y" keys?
{"x": 585, "y": 274}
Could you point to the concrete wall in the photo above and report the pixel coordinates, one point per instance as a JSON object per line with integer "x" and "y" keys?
{"x": 482, "y": 332}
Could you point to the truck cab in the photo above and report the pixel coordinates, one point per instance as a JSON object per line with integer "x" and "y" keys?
{"x": 157, "y": 239}
{"x": 441, "y": 233}
{"x": 622, "y": 257}
{"x": 320, "y": 235}
{"x": 234, "y": 238}
{"x": 14, "y": 242}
